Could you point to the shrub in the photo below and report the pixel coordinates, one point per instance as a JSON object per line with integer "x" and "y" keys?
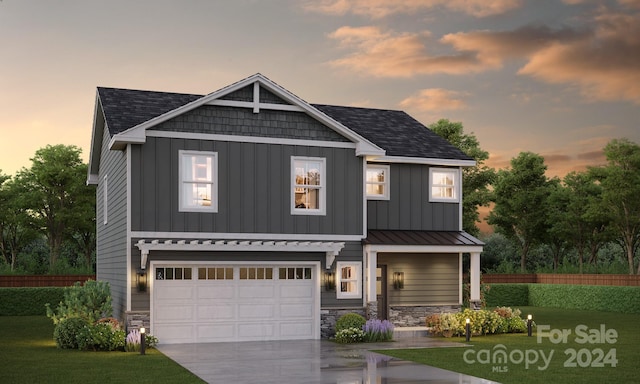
{"x": 511, "y": 320}
{"x": 101, "y": 336}
{"x": 28, "y": 301}
{"x": 588, "y": 297}
{"x": 90, "y": 301}
{"x": 378, "y": 330}
{"x": 349, "y": 335}
{"x": 509, "y": 295}
{"x": 350, "y": 320}
{"x": 66, "y": 331}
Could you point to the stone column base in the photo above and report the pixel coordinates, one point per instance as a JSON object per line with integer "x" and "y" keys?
{"x": 138, "y": 319}
{"x": 372, "y": 310}
{"x": 329, "y": 317}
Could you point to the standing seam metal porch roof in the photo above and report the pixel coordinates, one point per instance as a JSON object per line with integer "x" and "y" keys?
{"x": 406, "y": 237}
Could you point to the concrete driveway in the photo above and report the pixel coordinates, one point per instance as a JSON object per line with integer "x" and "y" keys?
{"x": 309, "y": 361}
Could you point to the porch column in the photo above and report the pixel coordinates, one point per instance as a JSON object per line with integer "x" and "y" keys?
{"x": 474, "y": 273}
{"x": 371, "y": 297}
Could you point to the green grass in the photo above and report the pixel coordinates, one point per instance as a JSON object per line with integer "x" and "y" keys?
{"x": 627, "y": 351}
{"x": 29, "y": 355}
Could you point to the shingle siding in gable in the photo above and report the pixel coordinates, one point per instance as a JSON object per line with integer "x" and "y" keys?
{"x": 242, "y": 94}
{"x": 408, "y": 207}
{"x": 111, "y": 242}
{"x": 242, "y": 121}
{"x": 267, "y": 96}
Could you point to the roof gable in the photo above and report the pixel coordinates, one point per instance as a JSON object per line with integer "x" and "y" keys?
{"x": 277, "y": 97}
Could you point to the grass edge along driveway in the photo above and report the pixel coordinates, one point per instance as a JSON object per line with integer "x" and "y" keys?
{"x": 572, "y": 349}
{"x": 29, "y": 355}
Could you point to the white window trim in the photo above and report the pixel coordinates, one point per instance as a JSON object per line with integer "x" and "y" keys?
{"x": 214, "y": 181}
{"x": 456, "y": 186}
{"x": 357, "y": 266}
{"x": 323, "y": 187}
{"x": 105, "y": 200}
{"x": 385, "y": 183}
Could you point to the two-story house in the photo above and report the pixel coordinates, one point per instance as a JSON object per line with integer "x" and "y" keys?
{"x": 250, "y": 214}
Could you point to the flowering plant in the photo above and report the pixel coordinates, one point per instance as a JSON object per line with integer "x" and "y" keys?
{"x": 349, "y": 335}
{"x": 378, "y": 330}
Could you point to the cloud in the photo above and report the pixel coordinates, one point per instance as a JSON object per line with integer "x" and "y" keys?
{"x": 390, "y": 54}
{"x": 435, "y": 99}
{"x": 377, "y": 9}
{"x": 604, "y": 65}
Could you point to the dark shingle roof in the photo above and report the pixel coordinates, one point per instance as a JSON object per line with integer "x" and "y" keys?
{"x": 394, "y": 131}
{"x": 126, "y": 108}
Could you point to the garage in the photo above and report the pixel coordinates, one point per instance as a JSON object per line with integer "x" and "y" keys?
{"x": 226, "y": 302}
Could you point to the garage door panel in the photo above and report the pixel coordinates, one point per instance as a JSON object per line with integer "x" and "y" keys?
{"x": 174, "y": 291}
{"x": 257, "y": 291}
{"x": 217, "y": 291}
{"x": 295, "y": 330}
{"x": 176, "y": 312}
{"x": 216, "y": 312}
{"x": 256, "y": 331}
{"x": 296, "y": 290}
{"x": 216, "y": 332}
{"x": 175, "y": 333}
{"x": 255, "y": 311}
{"x": 295, "y": 310}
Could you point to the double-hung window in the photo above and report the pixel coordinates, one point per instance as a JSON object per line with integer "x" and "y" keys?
{"x": 377, "y": 182}
{"x": 198, "y": 181}
{"x": 444, "y": 185}
{"x": 349, "y": 282}
{"x": 308, "y": 186}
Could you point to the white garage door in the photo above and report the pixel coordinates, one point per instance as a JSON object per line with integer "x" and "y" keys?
{"x": 213, "y": 303}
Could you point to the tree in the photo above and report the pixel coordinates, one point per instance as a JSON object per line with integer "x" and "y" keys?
{"x": 521, "y": 203}
{"x": 559, "y": 231}
{"x": 475, "y": 180}
{"x": 14, "y": 232}
{"x": 620, "y": 181}
{"x": 50, "y": 192}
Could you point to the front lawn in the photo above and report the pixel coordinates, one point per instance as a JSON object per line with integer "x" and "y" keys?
{"x": 587, "y": 356}
{"x": 29, "y": 355}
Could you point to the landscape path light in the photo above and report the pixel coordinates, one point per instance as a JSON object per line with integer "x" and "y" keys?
{"x": 468, "y": 330}
{"x": 143, "y": 331}
{"x": 529, "y": 324}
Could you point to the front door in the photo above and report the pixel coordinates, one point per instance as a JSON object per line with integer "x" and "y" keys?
{"x": 381, "y": 291}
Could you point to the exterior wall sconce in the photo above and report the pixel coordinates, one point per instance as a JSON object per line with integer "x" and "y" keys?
{"x": 329, "y": 281}
{"x": 398, "y": 280}
{"x": 141, "y": 280}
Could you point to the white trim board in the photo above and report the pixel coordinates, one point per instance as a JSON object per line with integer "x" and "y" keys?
{"x": 250, "y": 139}
{"x": 244, "y": 236}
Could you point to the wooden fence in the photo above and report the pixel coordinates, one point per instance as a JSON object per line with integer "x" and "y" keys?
{"x": 43, "y": 280}
{"x": 552, "y": 278}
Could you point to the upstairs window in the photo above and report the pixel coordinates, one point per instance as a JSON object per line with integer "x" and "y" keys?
{"x": 308, "y": 186}
{"x": 198, "y": 181}
{"x": 444, "y": 185}
{"x": 377, "y": 182}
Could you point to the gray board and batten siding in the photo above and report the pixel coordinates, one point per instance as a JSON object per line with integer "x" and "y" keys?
{"x": 408, "y": 207}
{"x": 352, "y": 251}
{"x": 111, "y": 241}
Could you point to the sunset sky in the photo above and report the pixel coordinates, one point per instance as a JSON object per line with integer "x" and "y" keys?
{"x": 558, "y": 78}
